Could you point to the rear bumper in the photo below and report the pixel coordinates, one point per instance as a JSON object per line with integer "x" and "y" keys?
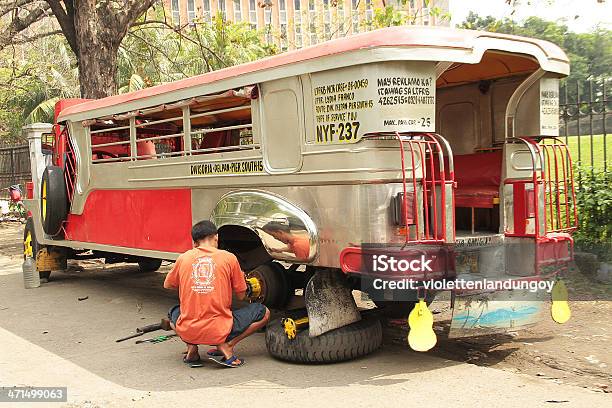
{"x": 416, "y": 262}
{"x": 518, "y": 258}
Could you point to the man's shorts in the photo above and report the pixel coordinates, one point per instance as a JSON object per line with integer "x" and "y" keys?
{"x": 243, "y": 317}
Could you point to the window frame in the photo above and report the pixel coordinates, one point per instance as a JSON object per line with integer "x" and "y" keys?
{"x": 180, "y": 112}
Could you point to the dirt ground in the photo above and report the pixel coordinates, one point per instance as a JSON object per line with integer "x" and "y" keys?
{"x": 576, "y": 353}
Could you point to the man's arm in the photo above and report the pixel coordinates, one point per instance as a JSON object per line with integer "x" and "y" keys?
{"x": 239, "y": 286}
{"x": 241, "y": 295}
{"x": 172, "y": 279}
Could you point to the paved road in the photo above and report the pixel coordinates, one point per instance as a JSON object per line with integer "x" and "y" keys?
{"x": 50, "y": 338}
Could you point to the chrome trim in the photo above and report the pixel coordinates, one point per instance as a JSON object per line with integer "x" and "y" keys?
{"x": 223, "y": 159}
{"x": 281, "y": 226}
{"x": 365, "y": 169}
{"x": 131, "y": 180}
{"x": 79, "y": 162}
{"x": 514, "y": 100}
{"x": 449, "y": 151}
{"x": 531, "y": 150}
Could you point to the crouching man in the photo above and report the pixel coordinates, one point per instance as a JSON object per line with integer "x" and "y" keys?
{"x": 206, "y": 277}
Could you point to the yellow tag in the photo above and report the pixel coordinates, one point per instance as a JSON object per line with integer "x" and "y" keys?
{"x": 421, "y": 336}
{"x": 560, "y": 310}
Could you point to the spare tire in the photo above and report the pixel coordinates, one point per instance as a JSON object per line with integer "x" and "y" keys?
{"x": 53, "y": 200}
{"x": 346, "y": 343}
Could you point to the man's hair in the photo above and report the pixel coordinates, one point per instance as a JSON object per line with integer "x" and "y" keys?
{"x": 274, "y": 226}
{"x": 203, "y": 230}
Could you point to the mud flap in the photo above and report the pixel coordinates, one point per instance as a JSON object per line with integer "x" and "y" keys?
{"x": 329, "y": 302}
{"x": 496, "y": 312}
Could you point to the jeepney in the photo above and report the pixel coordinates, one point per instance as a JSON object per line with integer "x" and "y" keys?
{"x": 435, "y": 147}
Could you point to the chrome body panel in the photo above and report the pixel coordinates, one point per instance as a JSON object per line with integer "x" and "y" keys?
{"x": 275, "y": 220}
{"x": 330, "y": 217}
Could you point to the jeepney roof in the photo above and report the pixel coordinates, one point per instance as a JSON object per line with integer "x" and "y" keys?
{"x": 438, "y": 44}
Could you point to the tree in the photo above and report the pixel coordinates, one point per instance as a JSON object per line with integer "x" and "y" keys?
{"x": 22, "y": 14}
{"x": 35, "y": 74}
{"x": 590, "y": 54}
{"x": 94, "y": 30}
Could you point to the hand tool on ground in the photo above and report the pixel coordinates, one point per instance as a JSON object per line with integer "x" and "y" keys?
{"x": 163, "y": 325}
{"x": 157, "y": 339}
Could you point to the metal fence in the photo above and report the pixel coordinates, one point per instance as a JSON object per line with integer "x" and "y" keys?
{"x": 14, "y": 168}
{"x": 584, "y": 108}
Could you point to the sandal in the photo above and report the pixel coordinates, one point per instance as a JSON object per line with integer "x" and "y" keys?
{"x": 229, "y": 362}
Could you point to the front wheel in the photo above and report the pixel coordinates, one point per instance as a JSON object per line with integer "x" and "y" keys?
{"x": 275, "y": 287}
{"x": 31, "y": 245}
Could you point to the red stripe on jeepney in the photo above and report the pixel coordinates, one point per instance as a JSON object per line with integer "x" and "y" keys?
{"x": 157, "y": 220}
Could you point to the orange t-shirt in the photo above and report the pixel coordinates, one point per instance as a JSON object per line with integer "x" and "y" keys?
{"x": 205, "y": 278}
{"x": 300, "y": 246}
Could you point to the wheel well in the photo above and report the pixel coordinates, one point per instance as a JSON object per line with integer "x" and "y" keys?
{"x": 245, "y": 244}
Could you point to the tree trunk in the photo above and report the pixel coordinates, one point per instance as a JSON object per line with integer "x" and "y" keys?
{"x": 94, "y": 29}
{"x": 97, "y": 74}
{"x": 98, "y": 41}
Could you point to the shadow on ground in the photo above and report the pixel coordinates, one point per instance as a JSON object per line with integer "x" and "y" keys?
{"x": 120, "y": 298}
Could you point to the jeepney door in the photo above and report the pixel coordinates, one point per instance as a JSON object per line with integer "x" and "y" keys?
{"x": 282, "y": 125}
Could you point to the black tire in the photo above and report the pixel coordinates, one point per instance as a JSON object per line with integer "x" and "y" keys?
{"x": 275, "y": 287}
{"x": 35, "y": 246}
{"x": 149, "y": 264}
{"x": 54, "y": 200}
{"x": 346, "y": 343}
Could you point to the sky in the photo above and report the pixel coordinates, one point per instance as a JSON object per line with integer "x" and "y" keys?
{"x": 579, "y": 15}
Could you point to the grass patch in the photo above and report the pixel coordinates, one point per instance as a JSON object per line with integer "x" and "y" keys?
{"x": 584, "y": 142}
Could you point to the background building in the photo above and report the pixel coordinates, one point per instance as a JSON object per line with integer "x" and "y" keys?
{"x": 297, "y": 23}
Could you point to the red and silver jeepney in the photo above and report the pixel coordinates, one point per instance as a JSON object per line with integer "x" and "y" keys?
{"x": 436, "y": 146}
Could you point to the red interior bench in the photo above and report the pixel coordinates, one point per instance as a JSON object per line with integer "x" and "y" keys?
{"x": 478, "y": 178}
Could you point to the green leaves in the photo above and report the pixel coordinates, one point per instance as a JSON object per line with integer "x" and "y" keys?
{"x": 32, "y": 78}
{"x": 43, "y": 112}
{"x": 590, "y": 53}
{"x": 135, "y": 83}
{"x": 157, "y": 53}
{"x": 594, "y": 204}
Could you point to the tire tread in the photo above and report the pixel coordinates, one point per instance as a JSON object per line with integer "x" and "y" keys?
{"x": 346, "y": 343}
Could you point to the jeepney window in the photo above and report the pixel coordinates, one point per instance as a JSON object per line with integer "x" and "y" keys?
{"x": 110, "y": 140}
{"x": 159, "y": 133}
{"x": 221, "y": 123}
{"x": 205, "y": 124}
